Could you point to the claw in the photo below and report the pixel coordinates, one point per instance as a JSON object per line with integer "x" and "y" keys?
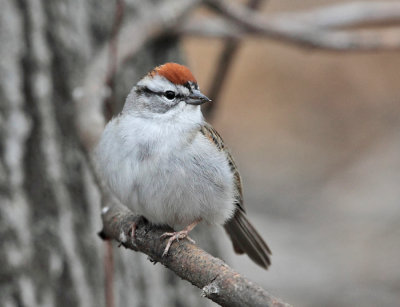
{"x": 178, "y": 235}
{"x": 133, "y": 230}
{"x": 134, "y": 227}
{"x": 175, "y": 236}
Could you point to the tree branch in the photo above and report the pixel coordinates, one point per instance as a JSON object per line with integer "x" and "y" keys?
{"x": 216, "y": 279}
{"x": 313, "y": 30}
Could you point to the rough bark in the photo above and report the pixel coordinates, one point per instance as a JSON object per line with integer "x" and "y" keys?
{"x": 50, "y": 213}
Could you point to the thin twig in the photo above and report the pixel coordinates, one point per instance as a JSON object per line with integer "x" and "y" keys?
{"x": 109, "y": 274}
{"x": 306, "y": 34}
{"x": 108, "y": 113}
{"x": 109, "y": 102}
{"x": 353, "y": 14}
{"x": 217, "y": 280}
{"x": 225, "y": 60}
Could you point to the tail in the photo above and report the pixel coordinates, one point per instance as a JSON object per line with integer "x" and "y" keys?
{"x": 245, "y": 239}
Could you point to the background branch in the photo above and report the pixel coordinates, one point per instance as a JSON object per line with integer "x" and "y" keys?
{"x": 313, "y": 30}
{"x": 353, "y": 14}
{"x": 224, "y": 63}
{"x": 216, "y": 279}
{"x": 109, "y": 274}
{"x": 109, "y": 102}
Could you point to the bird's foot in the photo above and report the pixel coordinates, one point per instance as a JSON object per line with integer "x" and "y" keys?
{"x": 134, "y": 226}
{"x": 175, "y": 236}
{"x": 178, "y": 235}
{"x": 133, "y": 230}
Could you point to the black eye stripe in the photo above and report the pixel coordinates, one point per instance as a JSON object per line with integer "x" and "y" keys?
{"x": 147, "y": 91}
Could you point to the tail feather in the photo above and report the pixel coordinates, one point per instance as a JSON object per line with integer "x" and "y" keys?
{"x": 245, "y": 239}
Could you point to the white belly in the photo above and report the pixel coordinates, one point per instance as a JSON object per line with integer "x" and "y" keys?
{"x": 168, "y": 179}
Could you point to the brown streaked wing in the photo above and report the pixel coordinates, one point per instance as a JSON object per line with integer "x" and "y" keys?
{"x": 244, "y": 236}
{"x": 209, "y": 132}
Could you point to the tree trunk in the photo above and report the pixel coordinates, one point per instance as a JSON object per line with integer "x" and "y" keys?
{"x": 50, "y": 206}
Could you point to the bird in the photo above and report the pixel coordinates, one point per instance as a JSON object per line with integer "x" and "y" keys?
{"x": 162, "y": 159}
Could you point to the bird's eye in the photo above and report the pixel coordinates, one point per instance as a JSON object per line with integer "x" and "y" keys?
{"x": 169, "y": 94}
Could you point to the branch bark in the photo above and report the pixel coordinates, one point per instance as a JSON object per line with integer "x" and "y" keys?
{"x": 316, "y": 29}
{"x": 217, "y": 280}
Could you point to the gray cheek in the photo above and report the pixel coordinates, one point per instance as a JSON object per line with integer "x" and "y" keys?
{"x": 160, "y": 106}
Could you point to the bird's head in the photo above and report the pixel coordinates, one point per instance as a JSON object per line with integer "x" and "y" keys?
{"x": 167, "y": 89}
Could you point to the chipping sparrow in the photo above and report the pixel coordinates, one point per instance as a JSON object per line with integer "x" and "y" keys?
{"x": 161, "y": 159}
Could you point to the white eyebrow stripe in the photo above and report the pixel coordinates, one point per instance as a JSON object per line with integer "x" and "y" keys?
{"x": 157, "y": 84}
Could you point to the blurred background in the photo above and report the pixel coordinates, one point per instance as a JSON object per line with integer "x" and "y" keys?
{"x": 315, "y": 133}
{"x": 316, "y": 138}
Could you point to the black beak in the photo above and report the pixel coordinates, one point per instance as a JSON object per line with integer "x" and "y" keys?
{"x": 197, "y": 98}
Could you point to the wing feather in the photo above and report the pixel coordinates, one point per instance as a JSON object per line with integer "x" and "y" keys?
{"x": 244, "y": 236}
{"x": 208, "y": 131}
